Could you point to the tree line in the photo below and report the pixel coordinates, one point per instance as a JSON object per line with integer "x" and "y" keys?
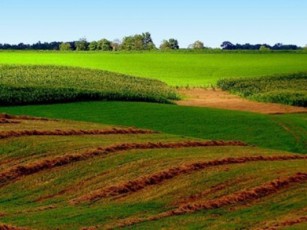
{"x": 263, "y": 47}
{"x": 137, "y": 42}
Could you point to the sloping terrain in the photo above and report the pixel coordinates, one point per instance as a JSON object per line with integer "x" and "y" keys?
{"x": 74, "y": 175}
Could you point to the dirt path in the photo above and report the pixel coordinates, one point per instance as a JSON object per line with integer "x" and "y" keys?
{"x": 223, "y": 100}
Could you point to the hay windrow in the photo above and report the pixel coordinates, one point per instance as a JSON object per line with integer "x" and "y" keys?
{"x": 23, "y": 117}
{"x": 72, "y": 132}
{"x": 243, "y": 196}
{"x": 167, "y": 174}
{"x": 285, "y": 223}
{"x": 28, "y": 169}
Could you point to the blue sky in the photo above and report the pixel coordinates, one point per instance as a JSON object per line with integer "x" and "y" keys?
{"x": 212, "y": 21}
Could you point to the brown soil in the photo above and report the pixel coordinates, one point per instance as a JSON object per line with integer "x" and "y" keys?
{"x": 28, "y": 169}
{"x": 224, "y": 100}
{"x": 242, "y": 196}
{"x": 159, "y": 177}
{"x": 8, "y": 134}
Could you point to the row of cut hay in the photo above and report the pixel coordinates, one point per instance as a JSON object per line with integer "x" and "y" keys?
{"x": 138, "y": 184}
{"x": 23, "y": 117}
{"x": 243, "y": 196}
{"x": 113, "y": 131}
{"x": 28, "y": 169}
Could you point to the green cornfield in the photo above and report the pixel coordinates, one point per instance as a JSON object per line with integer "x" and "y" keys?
{"x": 290, "y": 89}
{"x": 49, "y": 84}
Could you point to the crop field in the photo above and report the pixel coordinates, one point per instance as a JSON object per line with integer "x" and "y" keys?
{"x": 174, "y": 68}
{"x": 288, "y": 89}
{"x": 49, "y": 84}
{"x": 97, "y": 178}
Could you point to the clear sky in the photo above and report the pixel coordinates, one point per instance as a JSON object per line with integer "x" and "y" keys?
{"x": 212, "y": 21}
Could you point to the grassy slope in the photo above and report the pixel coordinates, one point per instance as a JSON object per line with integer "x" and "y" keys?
{"x": 261, "y": 130}
{"x": 194, "y": 69}
{"x": 27, "y": 201}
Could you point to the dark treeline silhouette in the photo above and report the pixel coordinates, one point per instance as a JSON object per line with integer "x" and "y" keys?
{"x": 35, "y": 46}
{"x": 278, "y": 46}
{"x": 137, "y": 42}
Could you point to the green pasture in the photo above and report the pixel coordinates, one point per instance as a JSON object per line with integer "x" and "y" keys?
{"x": 174, "y": 68}
{"x": 283, "y": 132}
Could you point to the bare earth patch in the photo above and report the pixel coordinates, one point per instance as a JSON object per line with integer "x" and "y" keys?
{"x": 224, "y": 100}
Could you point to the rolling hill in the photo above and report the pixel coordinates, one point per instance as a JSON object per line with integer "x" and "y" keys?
{"x": 77, "y": 175}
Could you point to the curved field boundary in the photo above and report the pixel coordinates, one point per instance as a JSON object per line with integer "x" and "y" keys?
{"x": 23, "y": 117}
{"x": 159, "y": 177}
{"x": 24, "y": 170}
{"x": 8, "y": 134}
{"x": 246, "y": 195}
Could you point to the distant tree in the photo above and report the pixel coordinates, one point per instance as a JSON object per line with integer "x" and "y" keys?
{"x": 305, "y": 48}
{"x": 131, "y": 43}
{"x": 174, "y": 44}
{"x": 264, "y": 48}
{"x": 81, "y": 45}
{"x": 165, "y": 45}
{"x": 148, "y": 43}
{"x": 65, "y": 46}
{"x": 116, "y": 44}
{"x": 93, "y": 46}
{"x": 104, "y": 45}
{"x": 198, "y": 45}
{"x": 227, "y": 45}
{"x": 280, "y": 46}
{"x": 169, "y": 44}
{"x": 138, "y": 42}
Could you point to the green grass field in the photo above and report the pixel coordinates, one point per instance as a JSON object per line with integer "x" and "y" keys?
{"x": 138, "y": 181}
{"x": 284, "y": 132}
{"x": 174, "y": 68}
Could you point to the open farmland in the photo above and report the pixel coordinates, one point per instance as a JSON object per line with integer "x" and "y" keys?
{"x": 159, "y": 115}
{"x": 49, "y": 84}
{"x": 175, "y": 68}
{"x": 107, "y": 176}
